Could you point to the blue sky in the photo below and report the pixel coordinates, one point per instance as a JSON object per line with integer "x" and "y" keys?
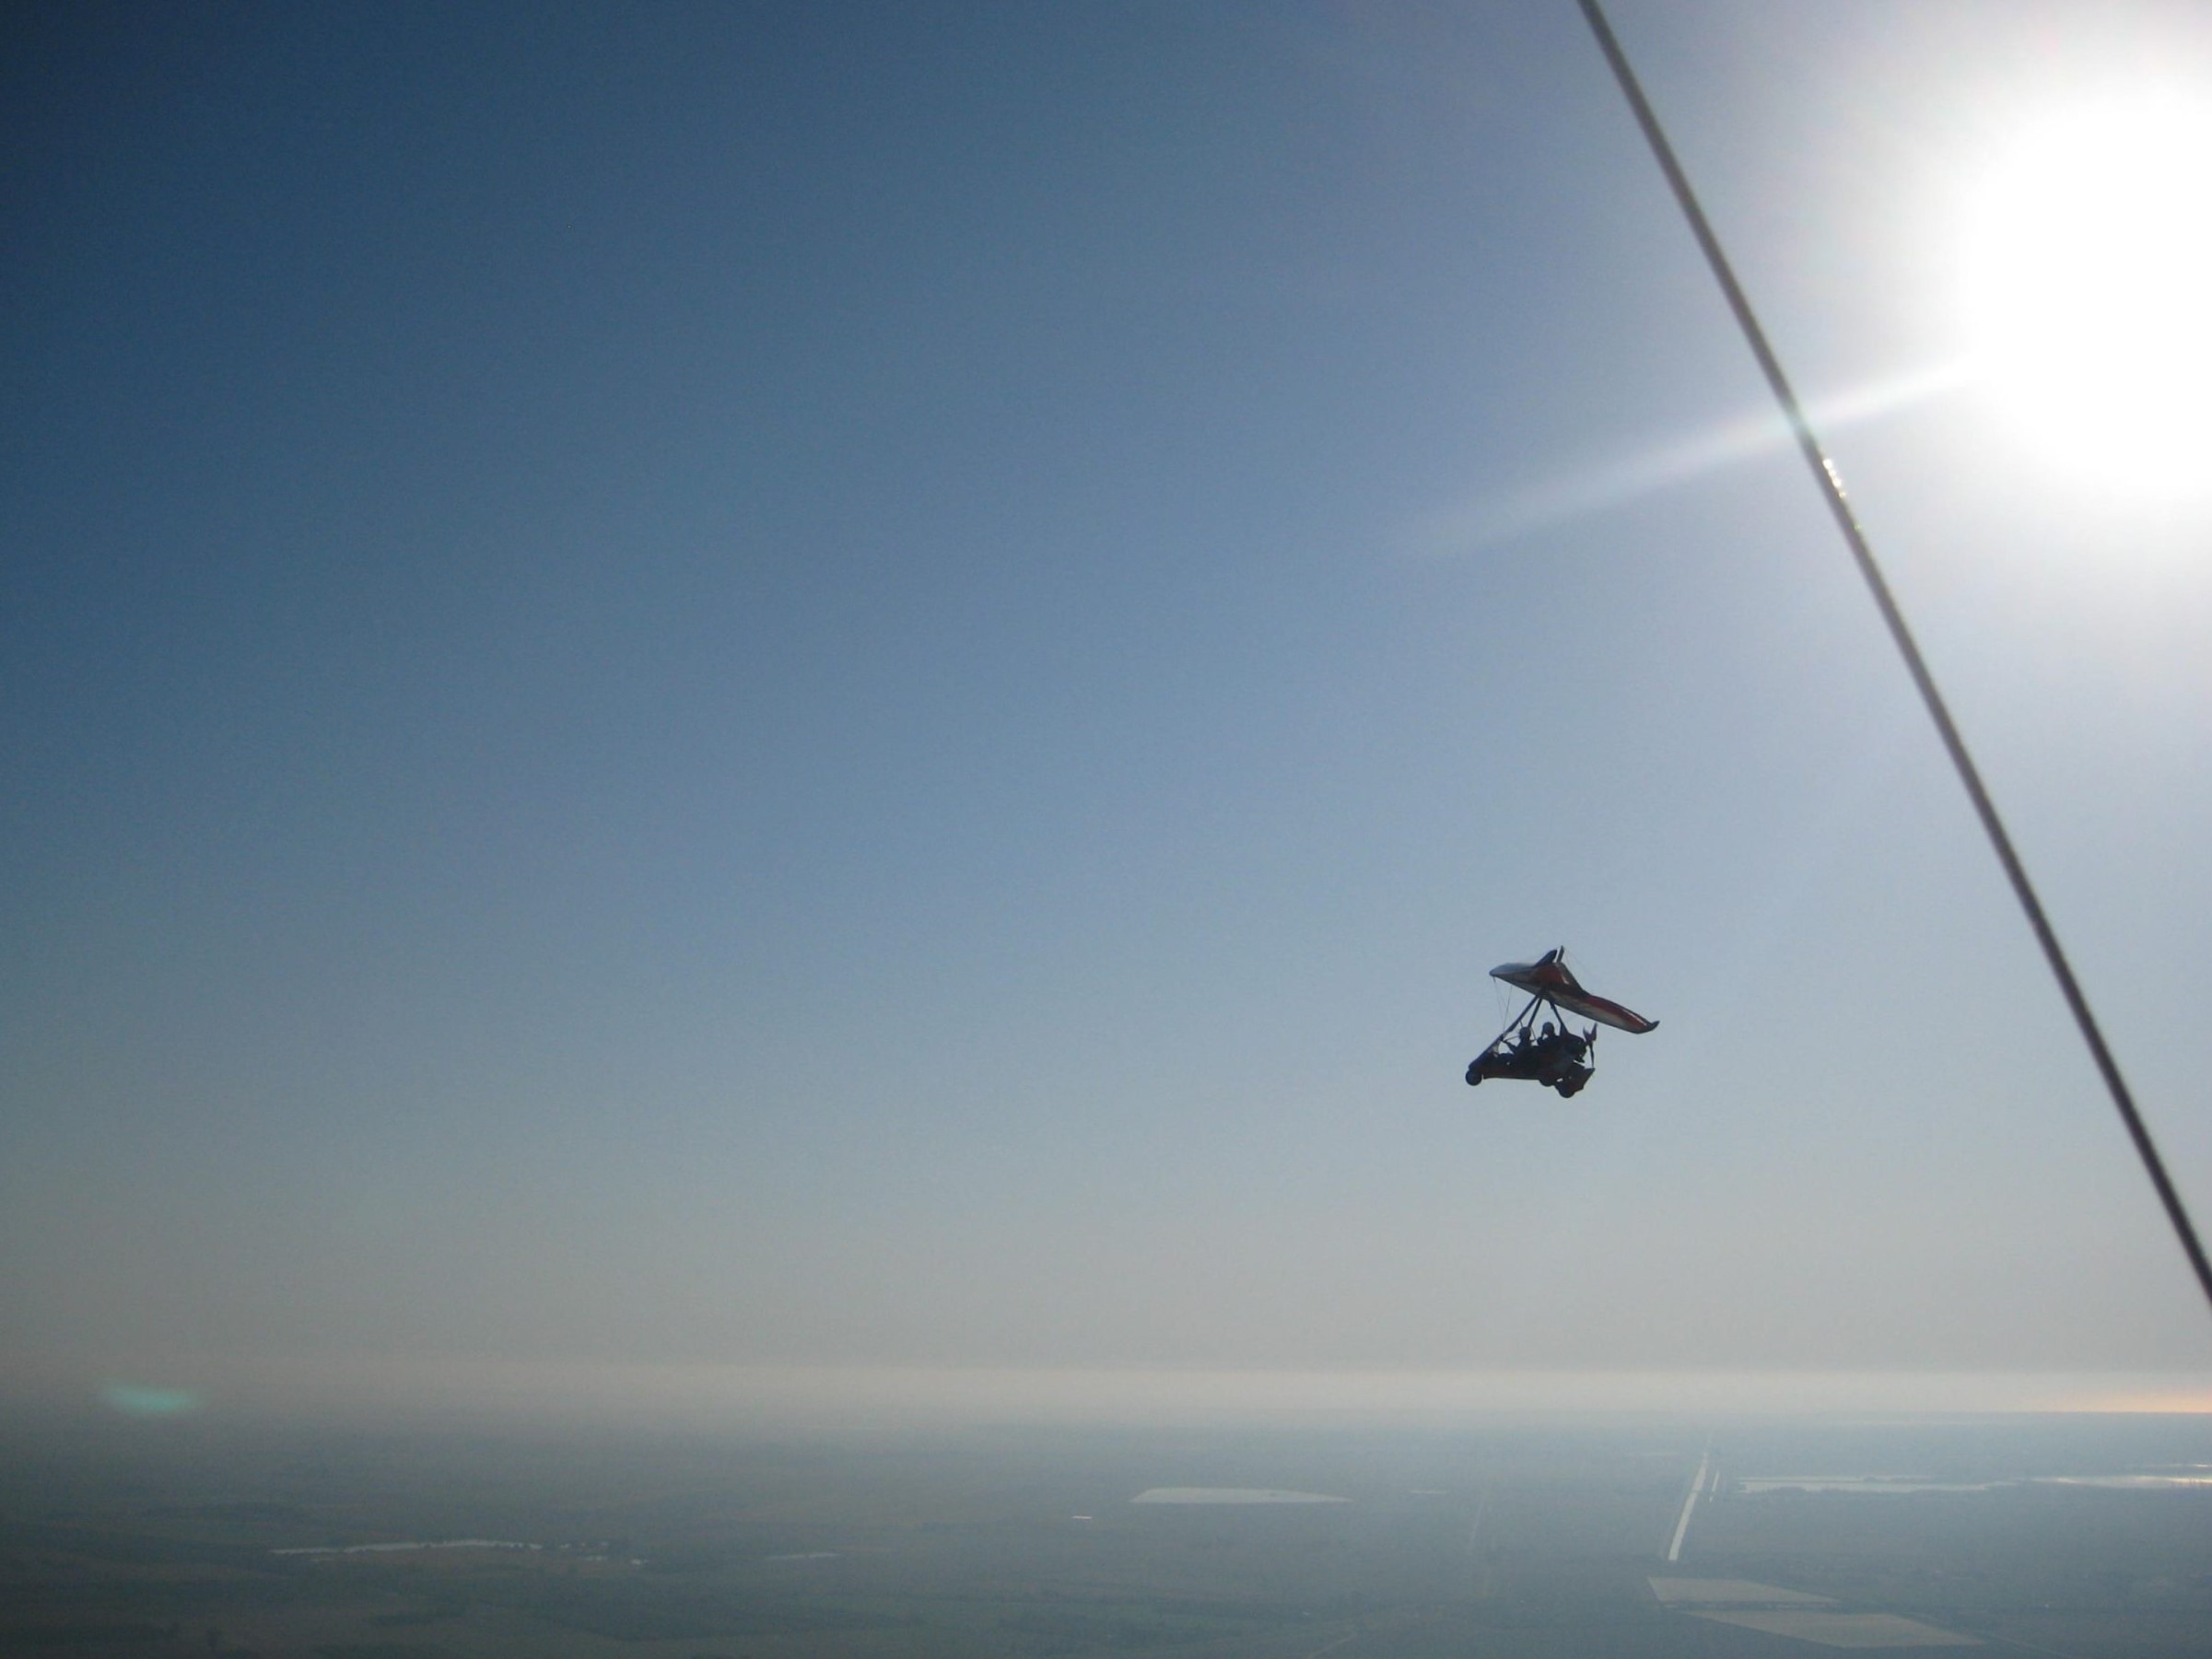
{"x": 868, "y": 686}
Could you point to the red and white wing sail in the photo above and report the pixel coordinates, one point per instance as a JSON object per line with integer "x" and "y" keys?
{"x": 1550, "y": 979}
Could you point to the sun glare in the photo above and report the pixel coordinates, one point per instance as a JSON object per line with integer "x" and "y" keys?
{"x": 2088, "y": 289}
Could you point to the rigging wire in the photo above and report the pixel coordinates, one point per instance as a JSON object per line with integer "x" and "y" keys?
{"x": 1831, "y": 485}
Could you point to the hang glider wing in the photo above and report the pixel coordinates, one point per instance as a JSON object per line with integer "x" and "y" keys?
{"x": 1550, "y": 979}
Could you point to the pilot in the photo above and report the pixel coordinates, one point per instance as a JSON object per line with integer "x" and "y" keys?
{"x": 1535, "y": 1051}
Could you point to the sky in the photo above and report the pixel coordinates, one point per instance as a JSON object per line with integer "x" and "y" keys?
{"x": 862, "y": 690}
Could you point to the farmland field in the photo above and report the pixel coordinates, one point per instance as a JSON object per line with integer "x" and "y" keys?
{"x": 1498, "y": 1540}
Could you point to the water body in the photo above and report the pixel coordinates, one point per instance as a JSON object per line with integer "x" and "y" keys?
{"x": 410, "y": 1544}
{"x": 2128, "y": 1482}
{"x": 1752, "y": 1485}
{"x": 1229, "y": 1494}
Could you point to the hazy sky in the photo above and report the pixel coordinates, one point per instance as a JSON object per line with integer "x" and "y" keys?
{"x": 848, "y": 686}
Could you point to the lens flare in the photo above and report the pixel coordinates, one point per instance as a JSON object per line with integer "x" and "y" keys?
{"x": 136, "y": 1399}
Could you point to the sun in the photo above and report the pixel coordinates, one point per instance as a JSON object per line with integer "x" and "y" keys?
{"x": 2086, "y": 287}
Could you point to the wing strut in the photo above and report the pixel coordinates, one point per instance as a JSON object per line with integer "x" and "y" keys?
{"x": 1519, "y": 1019}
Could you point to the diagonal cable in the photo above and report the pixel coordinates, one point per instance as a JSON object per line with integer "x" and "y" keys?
{"x": 1831, "y": 488}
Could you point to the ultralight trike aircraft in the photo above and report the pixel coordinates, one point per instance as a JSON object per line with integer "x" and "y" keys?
{"x": 1556, "y": 1057}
